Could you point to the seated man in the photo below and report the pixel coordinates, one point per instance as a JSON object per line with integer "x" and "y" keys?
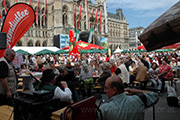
{"x": 69, "y": 77}
{"x": 47, "y": 83}
{"x": 125, "y": 107}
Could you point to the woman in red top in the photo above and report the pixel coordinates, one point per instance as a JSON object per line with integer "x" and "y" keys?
{"x": 165, "y": 72}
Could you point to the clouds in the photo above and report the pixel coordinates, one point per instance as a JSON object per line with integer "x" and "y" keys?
{"x": 141, "y": 4}
{"x": 142, "y": 8}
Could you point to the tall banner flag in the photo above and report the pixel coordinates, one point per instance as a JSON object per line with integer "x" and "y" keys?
{"x": 37, "y": 12}
{"x": 96, "y": 19}
{"x": 92, "y": 16}
{"x": 87, "y": 15}
{"x": 73, "y": 49}
{"x": 105, "y": 16}
{"x": 100, "y": 20}
{"x": 4, "y": 2}
{"x": 90, "y": 35}
{"x": 29, "y": 2}
{"x": 17, "y": 22}
{"x": 79, "y": 17}
{"x": 77, "y": 35}
{"x": 45, "y": 12}
{"x": 75, "y": 16}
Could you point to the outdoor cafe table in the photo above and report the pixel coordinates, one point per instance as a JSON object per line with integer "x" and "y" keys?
{"x": 5, "y": 112}
{"x": 27, "y": 79}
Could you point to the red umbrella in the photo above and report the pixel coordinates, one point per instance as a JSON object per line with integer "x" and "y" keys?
{"x": 84, "y": 46}
{"x": 141, "y": 47}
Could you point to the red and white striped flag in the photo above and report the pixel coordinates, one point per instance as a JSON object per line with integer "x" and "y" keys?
{"x": 96, "y": 19}
{"x": 87, "y": 15}
{"x": 37, "y": 12}
{"x": 79, "y": 17}
{"x": 29, "y": 2}
{"x": 100, "y": 20}
{"x": 75, "y": 16}
{"x": 4, "y": 1}
{"x": 45, "y": 12}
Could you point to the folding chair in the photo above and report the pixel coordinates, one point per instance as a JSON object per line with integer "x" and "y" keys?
{"x": 82, "y": 110}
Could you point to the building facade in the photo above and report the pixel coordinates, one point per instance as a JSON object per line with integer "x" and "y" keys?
{"x": 60, "y": 19}
{"x": 134, "y": 42}
{"x": 118, "y": 30}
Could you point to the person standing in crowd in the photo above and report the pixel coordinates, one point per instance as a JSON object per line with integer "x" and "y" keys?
{"x": 122, "y": 106}
{"x": 69, "y": 77}
{"x": 122, "y": 72}
{"x": 47, "y": 83}
{"x": 87, "y": 78}
{"x": 8, "y": 81}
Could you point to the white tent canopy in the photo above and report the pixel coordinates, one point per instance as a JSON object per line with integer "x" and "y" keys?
{"x": 118, "y": 50}
{"x": 33, "y": 50}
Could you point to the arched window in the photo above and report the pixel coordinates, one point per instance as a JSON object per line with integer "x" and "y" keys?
{"x": 65, "y": 17}
{"x": 44, "y": 43}
{"x": 19, "y": 43}
{"x": 85, "y": 25}
{"x": 30, "y": 43}
{"x": 38, "y": 43}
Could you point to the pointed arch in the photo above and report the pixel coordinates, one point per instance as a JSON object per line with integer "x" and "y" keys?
{"x": 44, "y": 43}
{"x": 38, "y": 43}
{"x": 19, "y": 43}
{"x": 30, "y": 43}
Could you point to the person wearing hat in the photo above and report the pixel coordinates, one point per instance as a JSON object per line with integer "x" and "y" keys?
{"x": 47, "y": 83}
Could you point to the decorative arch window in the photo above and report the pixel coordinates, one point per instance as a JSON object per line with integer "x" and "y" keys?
{"x": 30, "y": 43}
{"x": 85, "y": 25}
{"x": 31, "y": 33}
{"x": 64, "y": 17}
{"x": 37, "y": 43}
{"x": 44, "y": 43}
{"x": 19, "y": 43}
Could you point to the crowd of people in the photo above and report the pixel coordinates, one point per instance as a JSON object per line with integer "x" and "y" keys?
{"x": 116, "y": 73}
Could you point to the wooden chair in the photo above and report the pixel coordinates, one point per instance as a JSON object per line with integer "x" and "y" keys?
{"x": 82, "y": 110}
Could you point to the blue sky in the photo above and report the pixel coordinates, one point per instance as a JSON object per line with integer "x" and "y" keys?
{"x": 140, "y": 12}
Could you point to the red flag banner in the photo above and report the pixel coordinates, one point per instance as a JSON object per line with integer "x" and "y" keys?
{"x": 92, "y": 11}
{"x": 4, "y": 1}
{"x": 29, "y": 2}
{"x": 73, "y": 49}
{"x": 18, "y": 20}
{"x": 100, "y": 20}
{"x": 87, "y": 15}
{"x": 0, "y": 16}
{"x": 75, "y": 16}
{"x": 79, "y": 17}
{"x": 37, "y": 12}
{"x": 45, "y": 12}
{"x": 96, "y": 19}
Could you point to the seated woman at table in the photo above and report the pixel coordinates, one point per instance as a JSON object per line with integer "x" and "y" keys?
{"x": 47, "y": 83}
{"x": 153, "y": 74}
{"x": 87, "y": 78}
{"x": 165, "y": 72}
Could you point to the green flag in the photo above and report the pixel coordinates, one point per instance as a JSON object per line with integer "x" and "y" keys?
{"x": 77, "y": 35}
{"x": 90, "y": 35}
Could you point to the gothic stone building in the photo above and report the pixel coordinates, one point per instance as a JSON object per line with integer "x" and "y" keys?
{"x": 60, "y": 19}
